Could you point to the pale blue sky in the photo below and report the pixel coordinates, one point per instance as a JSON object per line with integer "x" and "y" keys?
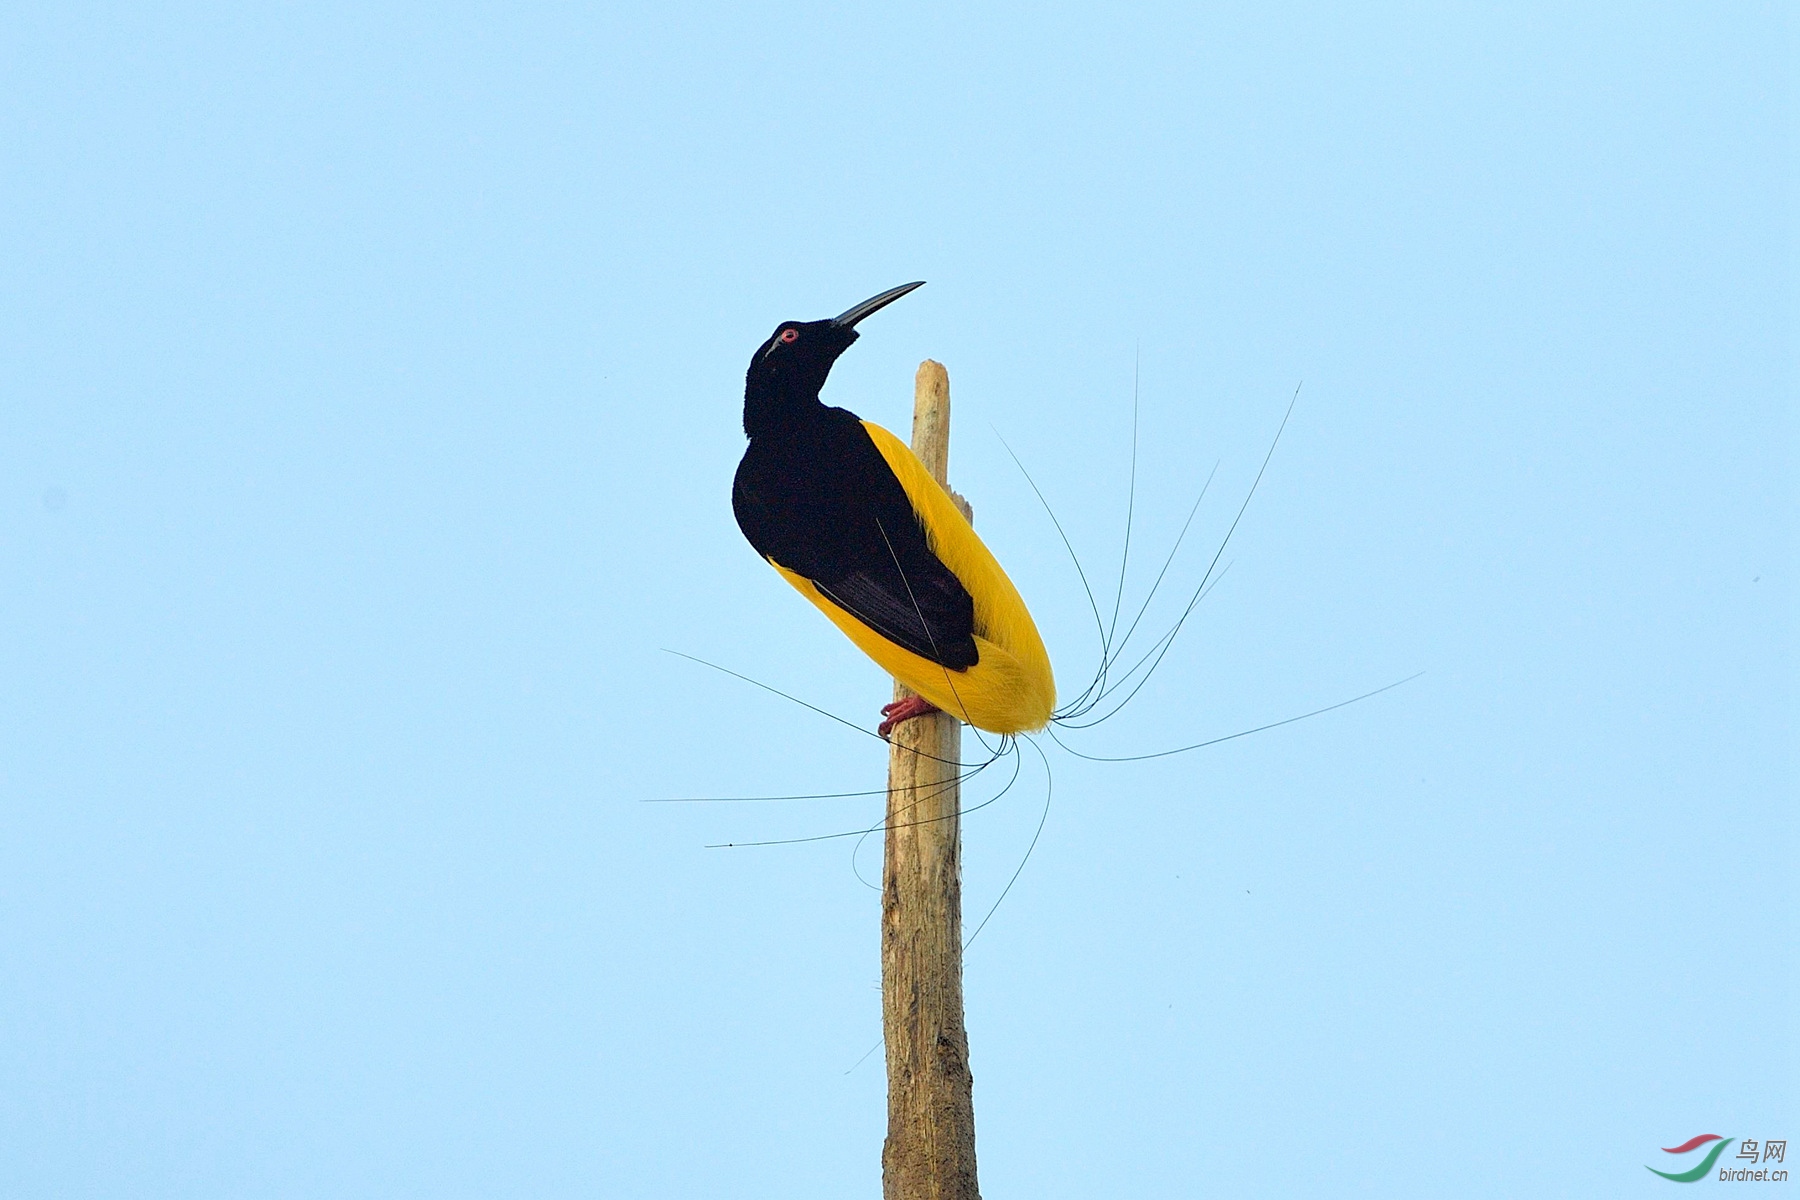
{"x": 371, "y": 397}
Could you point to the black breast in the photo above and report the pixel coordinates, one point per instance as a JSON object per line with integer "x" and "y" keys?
{"x": 818, "y": 499}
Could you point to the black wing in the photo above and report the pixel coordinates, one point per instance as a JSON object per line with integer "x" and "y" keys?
{"x": 821, "y": 501}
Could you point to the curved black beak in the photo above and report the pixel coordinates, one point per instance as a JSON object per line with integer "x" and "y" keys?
{"x": 849, "y": 318}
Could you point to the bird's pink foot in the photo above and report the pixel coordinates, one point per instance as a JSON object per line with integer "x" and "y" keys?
{"x": 904, "y": 710}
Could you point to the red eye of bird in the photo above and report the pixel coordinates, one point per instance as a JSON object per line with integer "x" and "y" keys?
{"x": 790, "y": 335}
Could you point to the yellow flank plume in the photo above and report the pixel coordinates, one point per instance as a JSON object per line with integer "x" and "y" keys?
{"x": 1010, "y": 689}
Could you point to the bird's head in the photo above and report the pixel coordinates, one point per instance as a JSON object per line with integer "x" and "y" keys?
{"x": 792, "y": 365}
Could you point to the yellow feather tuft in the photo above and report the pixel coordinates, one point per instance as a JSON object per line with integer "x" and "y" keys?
{"x": 1011, "y": 688}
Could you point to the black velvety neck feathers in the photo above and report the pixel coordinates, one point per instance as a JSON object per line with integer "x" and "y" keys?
{"x": 781, "y": 388}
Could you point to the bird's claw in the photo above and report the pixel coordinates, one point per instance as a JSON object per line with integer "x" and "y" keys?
{"x": 904, "y": 710}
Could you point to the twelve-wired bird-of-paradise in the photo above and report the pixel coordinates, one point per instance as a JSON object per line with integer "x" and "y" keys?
{"x": 848, "y": 515}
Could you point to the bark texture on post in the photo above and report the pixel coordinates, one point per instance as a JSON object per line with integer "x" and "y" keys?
{"x": 930, "y": 1148}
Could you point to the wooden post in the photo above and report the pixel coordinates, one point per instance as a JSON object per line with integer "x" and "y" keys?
{"x": 930, "y": 1148}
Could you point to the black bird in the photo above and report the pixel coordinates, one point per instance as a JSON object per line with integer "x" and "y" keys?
{"x": 850, "y": 516}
